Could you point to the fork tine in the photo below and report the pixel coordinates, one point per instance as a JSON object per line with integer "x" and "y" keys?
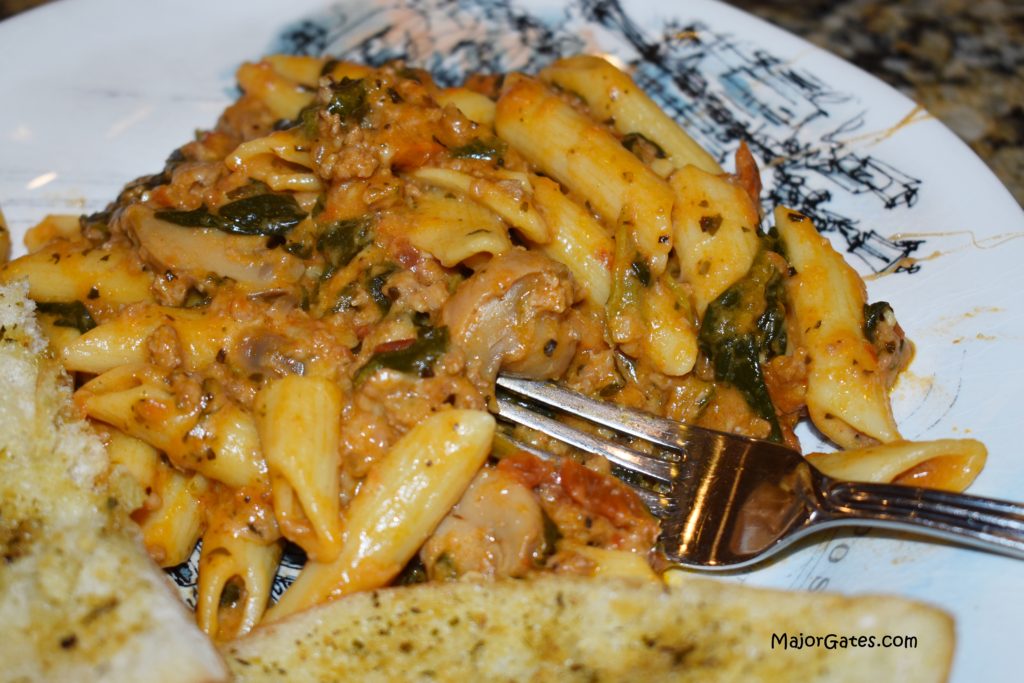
{"x": 620, "y": 455}
{"x": 619, "y": 418}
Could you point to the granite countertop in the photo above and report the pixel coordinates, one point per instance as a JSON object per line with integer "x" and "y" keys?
{"x": 962, "y": 59}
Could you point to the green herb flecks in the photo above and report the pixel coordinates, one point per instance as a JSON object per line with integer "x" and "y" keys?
{"x": 68, "y": 314}
{"x": 744, "y": 328}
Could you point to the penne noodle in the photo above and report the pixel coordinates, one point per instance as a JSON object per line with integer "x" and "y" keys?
{"x": 716, "y": 234}
{"x": 223, "y": 444}
{"x": 137, "y": 457}
{"x": 606, "y": 563}
{"x": 476, "y": 107}
{"x": 453, "y": 229}
{"x": 611, "y": 94}
{"x": 302, "y": 69}
{"x": 236, "y": 573}
{"x": 298, "y": 422}
{"x": 283, "y": 96}
{"x": 948, "y": 464}
{"x": 59, "y": 336}
{"x": 400, "y": 503}
{"x": 670, "y": 341}
{"x": 278, "y": 174}
{"x": 509, "y": 199}
{"x": 579, "y": 242}
{"x": 339, "y": 70}
{"x": 53, "y": 227}
{"x": 63, "y": 272}
{"x": 122, "y": 341}
{"x": 583, "y": 156}
{"x": 171, "y": 530}
{"x": 847, "y": 396}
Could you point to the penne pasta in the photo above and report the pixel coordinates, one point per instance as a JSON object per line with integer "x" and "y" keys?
{"x": 670, "y": 340}
{"x": 587, "y": 159}
{"x": 621, "y": 564}
{"x": 716, "y": 234}
{"x": 612, "y": 95}
{"x": 476, "y": 107}
{"x": 236, "y": 572}
{"x": 453, "y": 229}
{"x": 298, "y": 424}
{"x": 63, "y": 272}
{"x": 52, "y": 228}
{"x": 508, "y": 198}
{"x": 847, "y": 395}
{"x": 400, "y": 502}
{"x": 579, "y": 242}
{"x": 283, "y": 96}
{"x": 171, "y": 530}
{"x": 222, "y": 444}
{"x": 948, "y": 464}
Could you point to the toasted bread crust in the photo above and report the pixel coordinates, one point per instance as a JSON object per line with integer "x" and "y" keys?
{"x": 572, "y": 629}
{"x": 79, "y": 598}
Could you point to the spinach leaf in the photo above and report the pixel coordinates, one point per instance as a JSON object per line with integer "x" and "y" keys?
{"x": 69, "y": 314}
{"x": 486, "y": 150}
{"x": 418, "y": 357}
{"x": 196, "y": 218}
{"x": 743, "y": 328}
{"x": 375, "y": 286}
{"x": 342, "y": 240}
{"x": 261, "y": 214}
{"x": 348, "y": 99}
{"x": 264, "y": 214}
{"x": 874, "y": 314}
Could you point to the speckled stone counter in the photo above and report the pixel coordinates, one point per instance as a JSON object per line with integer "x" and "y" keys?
{"x": 962, "y": 59}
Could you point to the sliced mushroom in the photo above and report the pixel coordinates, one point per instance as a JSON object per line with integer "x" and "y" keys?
{"x": 514, "y": 314}
{"x": 495, "y": 530}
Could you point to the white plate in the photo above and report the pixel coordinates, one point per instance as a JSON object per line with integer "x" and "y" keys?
{"x": 94, "y": 93}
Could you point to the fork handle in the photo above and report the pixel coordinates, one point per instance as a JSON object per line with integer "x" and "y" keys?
{"x": 985, "y": 523}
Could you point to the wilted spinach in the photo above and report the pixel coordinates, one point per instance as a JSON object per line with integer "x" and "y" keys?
{"x": 342, "y": 240}
{"x": 486, "y": 150}
{"x": 743, "y": 328}
{"x": 68, "y": 314}
{"x": 348, "y": 99}
{"x": 417, "y": 358}
{"x": 259, "y": 214}
{"x": 874, "y": 314}
{"x": 375, "y": 286}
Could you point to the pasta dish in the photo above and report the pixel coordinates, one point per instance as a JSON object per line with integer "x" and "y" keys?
{"x": 291, "y": 333}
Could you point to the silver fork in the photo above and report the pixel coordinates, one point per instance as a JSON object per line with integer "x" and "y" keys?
{"x": 727, "y": 501}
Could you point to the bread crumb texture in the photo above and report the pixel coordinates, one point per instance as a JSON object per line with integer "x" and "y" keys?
{"x": 79, "y": 599}
{"x": 564, "y": 629}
